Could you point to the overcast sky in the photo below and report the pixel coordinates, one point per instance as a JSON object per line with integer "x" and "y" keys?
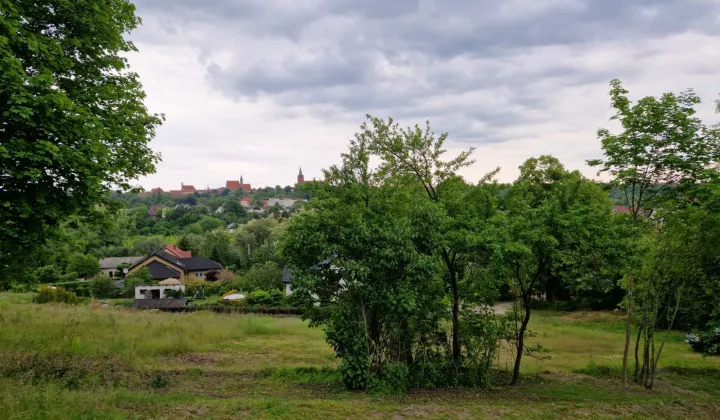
{"x": 260, "y": 87}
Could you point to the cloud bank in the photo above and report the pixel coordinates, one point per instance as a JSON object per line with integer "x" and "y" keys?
{"x": 260, "y": 87}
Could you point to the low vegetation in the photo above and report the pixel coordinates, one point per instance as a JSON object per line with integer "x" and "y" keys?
{"x": 89, "y": 361}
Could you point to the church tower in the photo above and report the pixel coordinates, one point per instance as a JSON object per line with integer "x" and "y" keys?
{"x": 300, "y": 178}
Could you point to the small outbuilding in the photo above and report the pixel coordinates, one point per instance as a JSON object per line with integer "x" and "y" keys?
{"x": 157, "y": 291}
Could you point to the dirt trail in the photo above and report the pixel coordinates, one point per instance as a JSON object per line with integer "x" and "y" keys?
{"x": 502, "y": 307}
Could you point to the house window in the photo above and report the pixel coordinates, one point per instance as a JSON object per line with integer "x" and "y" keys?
{"x": 199, "y": 275}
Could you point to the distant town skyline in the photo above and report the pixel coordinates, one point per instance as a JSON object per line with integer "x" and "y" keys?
{"x": 185, "y": 187}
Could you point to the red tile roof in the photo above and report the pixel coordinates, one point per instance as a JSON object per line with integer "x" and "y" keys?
{"x": 232, "y": 185}
{"x": 187, "y": 188}
{"x": 246, "y": 199}
{"x": 172, "y": 249}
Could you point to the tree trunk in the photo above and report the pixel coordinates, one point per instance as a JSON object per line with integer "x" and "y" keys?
{"x": 646, "y": 353}
{"x": 628, "y": 332}
{"x": 521, "y": 343}
{"x": 455, "y": 319}
{"x": 636, "y": 378}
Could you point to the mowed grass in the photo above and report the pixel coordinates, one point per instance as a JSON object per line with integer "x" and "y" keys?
{"x": 246, "y": 366}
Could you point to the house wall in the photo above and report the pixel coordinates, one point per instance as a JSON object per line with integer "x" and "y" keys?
{"x": 107, "y": 271}
{"x": 201, "y": 274}
{"x": 140, "y": 295}
{"x": 288, "y": 289}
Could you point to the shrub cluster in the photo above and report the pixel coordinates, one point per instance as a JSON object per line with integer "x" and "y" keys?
{"x": 48, "y": 294}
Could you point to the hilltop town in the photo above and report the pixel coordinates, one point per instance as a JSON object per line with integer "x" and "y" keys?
{"x": 230, "y": 185}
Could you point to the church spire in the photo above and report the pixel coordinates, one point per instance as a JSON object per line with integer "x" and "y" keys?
{"x": 241, "y": 180}
{"x": 300, "y": 174}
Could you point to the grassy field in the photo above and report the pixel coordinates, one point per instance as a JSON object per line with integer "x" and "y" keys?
{"x": 59, "y": 362}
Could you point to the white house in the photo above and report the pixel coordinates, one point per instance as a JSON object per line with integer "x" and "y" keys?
{"x": 285, "y": 203}
{"x": 158, "y": 291}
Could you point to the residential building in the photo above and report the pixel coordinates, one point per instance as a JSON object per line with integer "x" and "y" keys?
{"x": 158, "y": 291}
{"x": 246, "y": 202}
{"x": 174, "y": 263}
{"x": 155, "y": 211}
{"x": 285, "y": 203}
{"x": 109, "y": 266}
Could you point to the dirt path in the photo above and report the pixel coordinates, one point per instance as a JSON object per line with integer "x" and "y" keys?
{"x": 502, "y": 307}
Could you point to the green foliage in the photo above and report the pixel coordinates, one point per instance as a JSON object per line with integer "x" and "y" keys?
{"x": 140, "y": 277}
{"x": 174, "y": 294}
{"x": 661, "y": 157}
{"x": 79, "y": 287}
{"x": 47, "y": 274}
{"x": 74, "y": 123}
{"x": 159, "y": 381}
{"x": 144, "y": 245}
{"x": 69, "y": 277}
{"x": 266, "y": 276}
{"x": 49, "y": 294}
{"x": 84, "y": 265}
{"x": 208, "y": 223}
{"x": 663, "y": 147}
{"x": 369, "y": 263}
{"x": 102, "y": 287}
{"x": 260, "y": 297}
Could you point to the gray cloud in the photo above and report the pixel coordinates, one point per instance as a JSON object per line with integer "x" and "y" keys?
{"x": 487, "y": 71}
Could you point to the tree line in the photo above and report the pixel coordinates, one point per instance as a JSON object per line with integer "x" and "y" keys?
{"x": 401, "y": 261}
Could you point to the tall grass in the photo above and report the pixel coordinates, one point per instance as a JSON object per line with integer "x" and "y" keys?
{"x": 143, "y": 338}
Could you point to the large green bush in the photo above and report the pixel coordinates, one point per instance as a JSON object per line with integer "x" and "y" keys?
{"x": 102, "y": 287}
{"x": 48, "y": 294}
{"x": 79, "y": 287}
{"x": 260, "y": 297}
{"x": 141, "y": 277}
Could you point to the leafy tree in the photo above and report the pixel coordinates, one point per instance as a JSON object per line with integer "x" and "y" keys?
{"x": 141, "y": 277}
{"x": 360, "y": 272}
{"x": 208, "y": 223}
{"x": 253, "y": 235}
{"x": 47, "y": 274}
{"x": 184, "y": 243}
{"x": 266, "y": 276}
{"x": 102, "y": 287}
{"x": 234, "y": 208}
{"x": 83, "y": 265}
{"x": 555, "y": 227}
{"x": 663, "y": 148}
{"x": 144, "y": 245}
{"x": 74, "y": 126}
{"x": 417, "y": 153}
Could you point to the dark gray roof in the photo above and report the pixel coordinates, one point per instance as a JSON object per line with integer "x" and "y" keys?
{"x": 160, "y": 271}
{"x": 200, "y": 263}
{"x": 159, "y": 303}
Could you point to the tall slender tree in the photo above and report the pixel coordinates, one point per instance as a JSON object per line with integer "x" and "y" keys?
{"x": 662, "y": 149}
